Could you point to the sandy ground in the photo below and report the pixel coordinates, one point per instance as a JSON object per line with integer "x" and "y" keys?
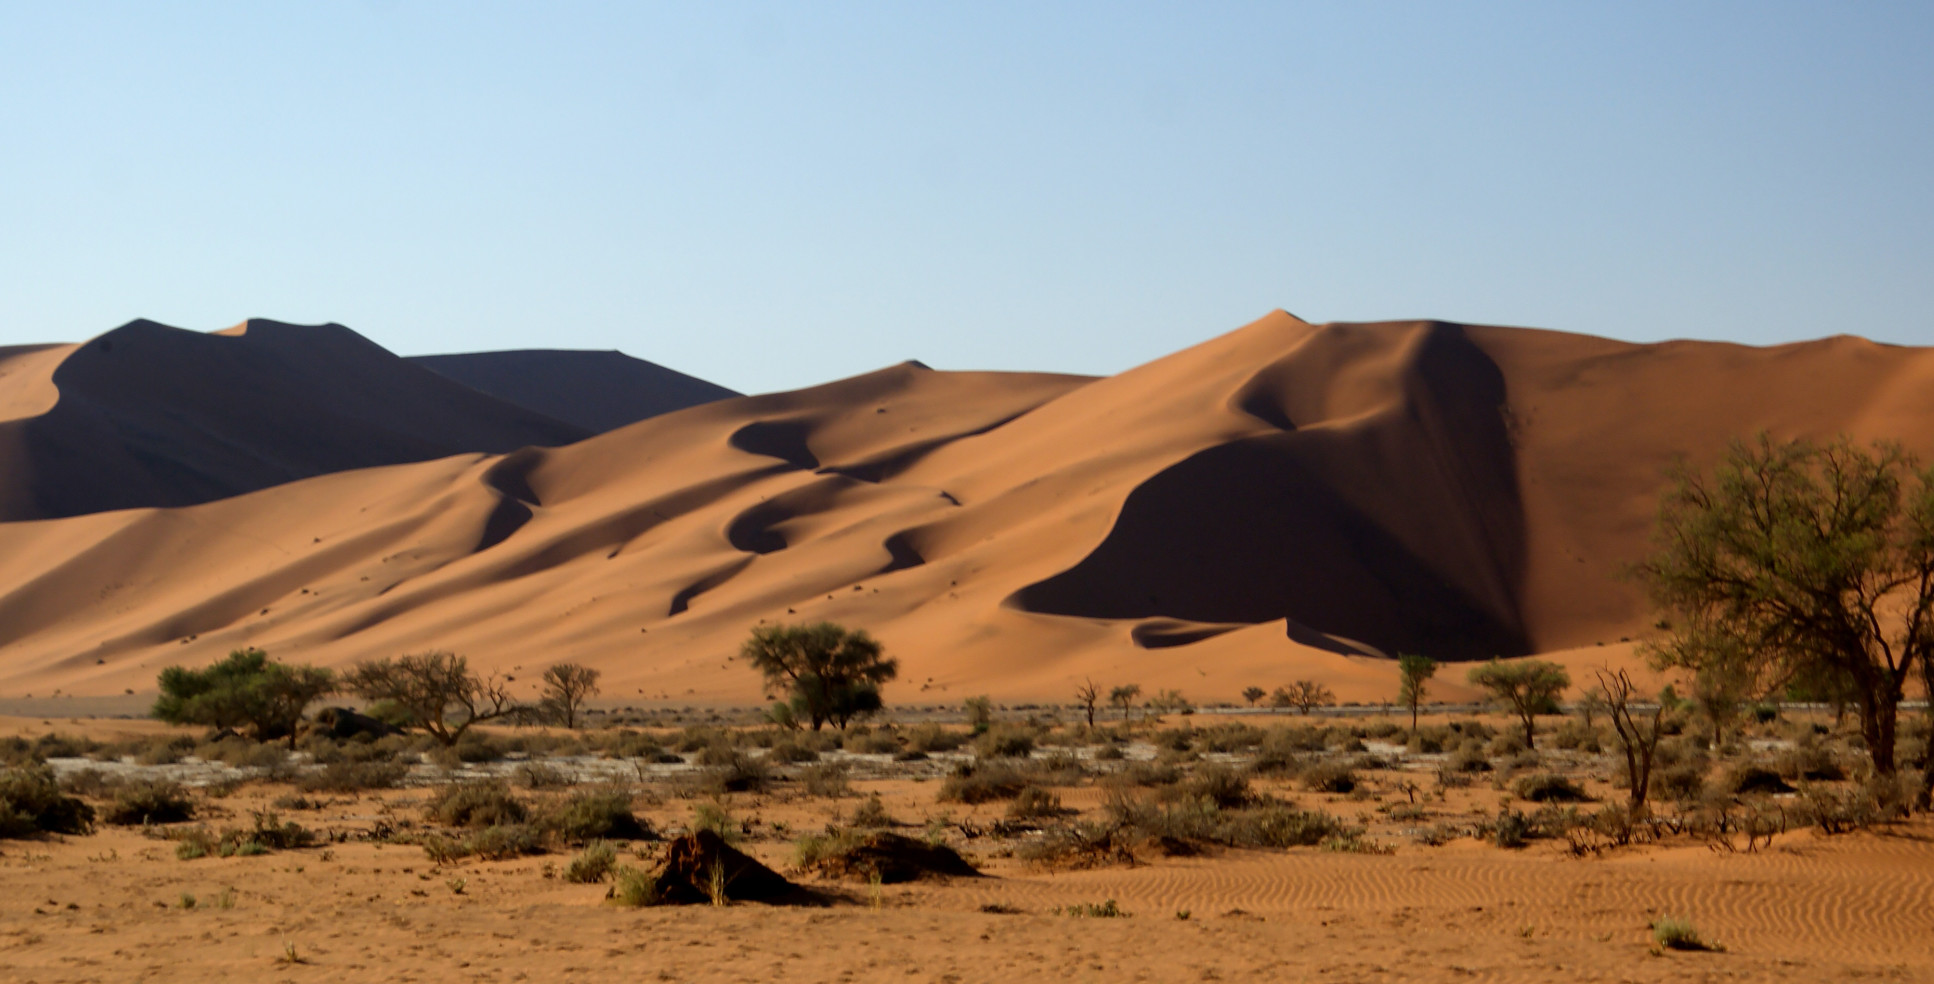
{"x": 111, "y": 906}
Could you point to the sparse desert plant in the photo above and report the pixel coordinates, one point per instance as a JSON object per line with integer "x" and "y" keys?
{"x": 1087, "y": 696}
{"x": 828, "y": 779}
{"x": 1253, "y": 695}
{"x": 566, "y": 687}
{"x": 980, "y": 714}
{"x": 1218, "y": 784}
{"x": 1092, "y": 910}
{"x": 1034, "y": 803}
{"x": 1550, "y": 788}
{"x": 633, "y": 887}
{"x": 983, "y": 782}
{"x": 1678, "y": 934}
{"x": 834, "y": 675}
{"x": 594, "y": 815}
{"x": 593, "y": 864}
{"x": 486, "y": 803}
{"x": 1124, "y": 697}
{"x": 1329, "y": 777}
{"x": 1304, "y": 695}
{"x": 871, "y": 813}
{"x": 1006, "y": 741}
{"x": 436, "y": 691}
{"x": 149, "y": 801}
{"x": 31, "y": 803}
{"x": 350, "y": 777}
{"x": 1529, "y": 687}
{"x": 245, "y": 690}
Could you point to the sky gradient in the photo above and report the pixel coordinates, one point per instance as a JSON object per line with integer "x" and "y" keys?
{"x": 771, "y": 196}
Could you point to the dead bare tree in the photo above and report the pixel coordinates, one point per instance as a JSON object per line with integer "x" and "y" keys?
{"x": 1637, "y": 736}
{"x": 1088, "y": 695}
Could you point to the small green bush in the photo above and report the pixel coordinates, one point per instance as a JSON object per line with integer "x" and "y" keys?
{"x": 1005, "y": 741}
{"x": 983, "y": 782}
{"x": 350, "y": 777}
{"x": 1678, "y": 934}
{"x": 596, "y": 815}
{"x": 1034, "y": 803}
{"x": 593, "y": 864}
{"x": 1550, "y": 788}
{"x": 633, "y": 888}
{"x": 1329, "y": 777}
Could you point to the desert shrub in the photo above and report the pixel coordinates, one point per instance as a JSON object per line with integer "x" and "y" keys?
{"x": 268, "y": 832}
{"x": 1472, "y": 729}
{"x": 1435, "y": 835}
{"x": 1510, "y": 830}
{"x": 1838, "y": 811}
{"x": 1753, "y": 778}
{"x": 1149, "y": 774}
{"x": 538, "y": 775}
{"x": 1226, "y": 738}
{"x": 1005, "y": 741}
{"x": 501, "y": 842}
{"x": 1505, "y": 744}
{"x": 1469, "y": 757}
{"x": 934, "y": 738}
{"x": 487, "y": 803}
{"x": 471, "y": 746}
{"x": 625, "y": 743}
{"x": 790, "y": 751}
{"x": 1678, "y": 934}
{"x": 1808, "y": 761}
{"x": 1218, "y": 784}
{"x": 164, "y": 751}
{"x": 593, "y": 864}
{"x": 814, "y": 849}
{"x": 1109, "y": 753}
{"x": 738, "y": 774}
{"x": 1573, "y": 735}
{"x": 295, "y": 801}
{"x": 1034, "y": 803}
{"x": 871, "y": 813}
{"x": 595, "y": 815}
{"x": 242, "y": 753}
{"x": 717, "y": 753}
{"x": 1329, "y": 777}
{"x": 983, "y": 782}
{"x": 1346, "y": 741}
{"x": 350, "y": 777}
{"x": 828, "y": 779}
{"x": 31, "y": 802}
{"x": 633, "y": 887}
{"x": 1423, "y": 743}
{"x": 1548, "y": 787}
{"x": 58, "y": 746}
{"x": 1273, "y": 825}
{"x": 1680, "y": 782}
{"x": 880, "y": 742}
{"x": 149, "y": 801}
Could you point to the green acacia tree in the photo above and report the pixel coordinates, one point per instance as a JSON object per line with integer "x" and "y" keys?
{"x": 244, "y": 690}
{"x": 833, "y": 674}
{"x": 1801, "y": 561}
{"x": 1413, "y": 674}
{"x": 1530, "y": 686}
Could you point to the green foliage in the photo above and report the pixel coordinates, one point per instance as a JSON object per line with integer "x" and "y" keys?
{"x": 31, "y": 803}
{"x": 980, "y": 713}
{"x": 834, "y": 675}
{"x": 1678, "y": 934}
{"x": 476, "y": 804}
{"x": 1413, "y": 673}
{"x": 1530, "y": 686}
{"x": 1795, "y": 561}
{"x": 595, "y": 815}
{"x": 245, "y": 690}
{"x": 436, "y": 691}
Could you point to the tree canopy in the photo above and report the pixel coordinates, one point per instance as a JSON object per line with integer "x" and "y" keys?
{"x": 436, "y": 690}
{"x": 1413, "y": 674}
{"x": 244, "y": 690}
{"x": 1795, "y": 561}
{"x": 1530, "y": 686}
{"x": 833, "y": 674}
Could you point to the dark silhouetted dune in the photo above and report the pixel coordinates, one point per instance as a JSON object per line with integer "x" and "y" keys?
{"x": 598, "y": 391}
{"x": 148, "y": 415}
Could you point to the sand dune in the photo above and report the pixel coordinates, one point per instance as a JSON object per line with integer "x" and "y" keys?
{"x": 148, "y": 415}
{"x": 597, "y": 391}
{"x": 1286, "y": 500}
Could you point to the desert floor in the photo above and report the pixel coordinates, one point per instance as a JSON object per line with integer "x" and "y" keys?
{"x": 116, "y": 906}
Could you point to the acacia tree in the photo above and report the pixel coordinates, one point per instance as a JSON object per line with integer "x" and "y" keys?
{"x": 1253, "y": 694}
{"x": 246, "y": 689}
{"x": 436, "y": 691}
{"x": 1413, "y": 673}
{"x": 1304, "y": 695}
{"x": 566, "y": 687}
{"x": 1794, "y": 559}
{"x": 1638, "y": 737}
{"x": 834, "y": 675}
{"x": 1531, "y": 687}
{"x": 1124, "y": 697}
{"x": 1088, "y": 695}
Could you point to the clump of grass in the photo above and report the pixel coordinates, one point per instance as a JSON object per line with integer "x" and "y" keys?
{"x": 1092, "y": 910}
{"x": 872, "y": 814}
{"x": 983, "y": 782}
{"x": 1034, "y": 803}
{"x": 495, "y": 843}
{"x": 150, "y": 801}
{"x": 476, "y": 804}
{"x": 1679, "y": 934}
{"x": 633, "y": 888}
{"x": 593, "y": 864}
{"x": 827, "y": 779}
{"x": 1330, "y": 777}
{"x": 1005, "y": 741}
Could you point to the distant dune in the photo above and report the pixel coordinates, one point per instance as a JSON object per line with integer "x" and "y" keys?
{"x": 597, "y": 391}
{"x": 148, "y": 415}
{"x": 1287, "y": 500}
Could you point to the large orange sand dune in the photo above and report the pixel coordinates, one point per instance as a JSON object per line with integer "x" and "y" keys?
{"x": 1286, "y": 500}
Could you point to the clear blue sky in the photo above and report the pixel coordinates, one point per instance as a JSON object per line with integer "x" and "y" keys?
{"x": 775, "y": 195}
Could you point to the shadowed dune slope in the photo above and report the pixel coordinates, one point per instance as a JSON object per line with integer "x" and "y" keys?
{"x": 148, "y": 415}
{"x": 597, "y": 391}
{"x": 1286, "y": 500}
